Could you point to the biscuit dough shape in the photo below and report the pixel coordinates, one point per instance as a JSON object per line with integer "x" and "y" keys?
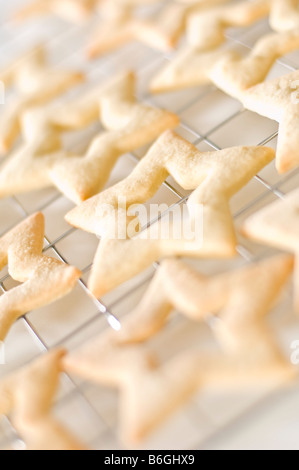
{"x": 130, "y": 125}
{"x": 37, "y": 84}
{"x": 241, "y": 298}
{"x": 42, "y": 162}
{"x": 228, "y": 70}
{"x": 161, "y": 33}
{"x": 44, "y": 279}
{"x": 214, "y": 177}
{"x": 277, "y": 225}
{"x": 117, "y": 30}
{"x": 235, "y": 74}
{"x": 149, "y": 391}
{"x": 27, "y": 395}
{"x": 277, "y": 99}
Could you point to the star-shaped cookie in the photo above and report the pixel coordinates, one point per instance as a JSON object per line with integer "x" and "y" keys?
{"x": 227, "y": 69}
{"x": 277, "y": 99}
{"x": 162, "y": 32}
{"x": 44, "y": 279}
{"x": 42, "y": 162}
{"x": 148, "y": 391}
{"x": 27, "y": 398}
{"x": 239, "y": 298}
{"x": 234, "y": 74}
{"x": 214, "y": 177}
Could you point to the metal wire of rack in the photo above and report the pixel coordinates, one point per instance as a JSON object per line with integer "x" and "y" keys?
{"x": 210, "y": 120}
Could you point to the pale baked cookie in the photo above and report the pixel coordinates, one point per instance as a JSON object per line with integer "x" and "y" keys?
{"x": 241, "y": 299}
{"x": 278, "y": 100}
{"x": 235, "y": 74}
{"x": 27, "y": 396}
{"x": 278, "y": 225}
{"x": 42, "y": 162}
{"x": 162, "y": 32}
{"x": 284, "y": 15}
{"x": 130, "y": 125}
{"x": 214, "y": 177}
{"x": 44, "y": 279}
{"x": 37, "y": 84}
{"x": 226, "y": 69}
{"x": 149, "y": 392}
{"x": 27, "y": 168}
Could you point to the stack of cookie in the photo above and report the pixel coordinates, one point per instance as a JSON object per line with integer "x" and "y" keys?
{"x": 32, "y": 130}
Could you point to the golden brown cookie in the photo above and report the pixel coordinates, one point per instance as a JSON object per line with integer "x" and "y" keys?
{"x": 149, "y": 392}
{"x": 241, "y": 299}
{"x": 277, "y": 99}
{"x": 37, "y": 84}
{"x": 227, "y": 69}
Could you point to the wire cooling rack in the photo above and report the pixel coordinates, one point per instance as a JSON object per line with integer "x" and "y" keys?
{"x": 257, "y": 418}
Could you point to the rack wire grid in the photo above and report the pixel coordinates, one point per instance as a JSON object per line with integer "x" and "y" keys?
{"x": 255, "y": 419}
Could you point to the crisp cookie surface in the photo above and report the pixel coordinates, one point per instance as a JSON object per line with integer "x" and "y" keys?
{"x": 42, "y": 161}
{"x": 44, "y": 279}
{"x": 162, "y": 33}
{"x": 214, "y": 178}
{"x": 210, "y": 375}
